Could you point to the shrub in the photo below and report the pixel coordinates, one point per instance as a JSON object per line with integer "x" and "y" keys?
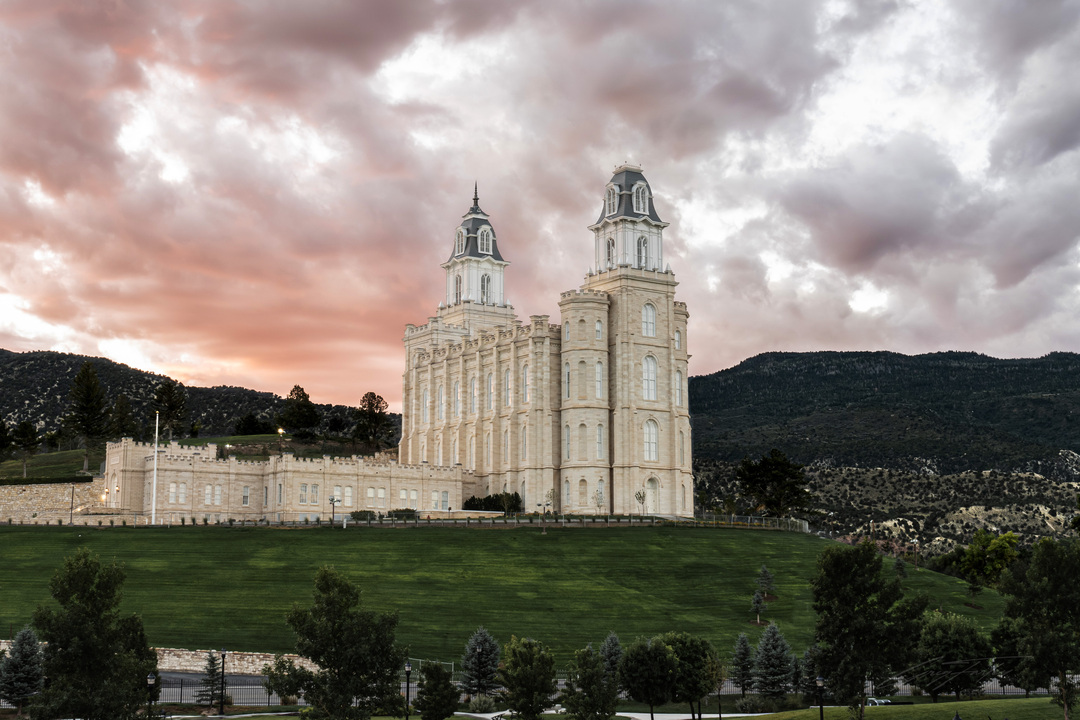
{"x": 231, "y": 521}
{"x": 482, "y": 704}
{"x": 112, "y": 523}
{"x": 362, "y": 515}
{"x": 183, "y": 521}
{"x": 403, "y": 514}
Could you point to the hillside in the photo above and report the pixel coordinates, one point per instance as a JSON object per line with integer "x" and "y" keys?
{"x": 35, "y": 386}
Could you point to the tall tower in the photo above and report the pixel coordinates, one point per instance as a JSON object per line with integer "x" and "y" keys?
{"x": 647, "y": 360}
{"x": 475, "y": 294}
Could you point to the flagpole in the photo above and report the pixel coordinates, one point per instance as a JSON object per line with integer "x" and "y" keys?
{"x": 153, "y": 493}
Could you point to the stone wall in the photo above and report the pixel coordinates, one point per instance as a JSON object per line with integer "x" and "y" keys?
{"x": 49, "y": 503}
{"x": 236, "y": 663}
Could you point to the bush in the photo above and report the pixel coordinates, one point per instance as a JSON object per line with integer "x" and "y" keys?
{"x": 183, "y": 521}
{"x": 362, "y": 515}
{"x": 501, "y": 502}
{"x": 482, "y": 704}
{"x": 403, "y": 514}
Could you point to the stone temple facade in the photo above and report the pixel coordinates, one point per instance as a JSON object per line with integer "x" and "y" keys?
{"x": 585, "y": 416}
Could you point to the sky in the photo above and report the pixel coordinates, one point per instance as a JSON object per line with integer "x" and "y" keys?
{"x": 261, "y": 193}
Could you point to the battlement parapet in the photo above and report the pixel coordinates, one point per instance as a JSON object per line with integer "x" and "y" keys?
{"x": 584, "y": 295}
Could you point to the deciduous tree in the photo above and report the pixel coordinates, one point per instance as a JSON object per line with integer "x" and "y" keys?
{"x": 866, "y": 629}
{"x": 775, "y": 484}
{"x": 6, "y": 441}
{"x": 354, "y": 649}
{"x": 591, "y": 692}
{"x": 436, "y": 696}
{"x": 698, "y": 668}
{"x": 480, "y": 664}
{"x": 953, "y": 656}
{"x": 648, "y": 672}
{"x": 528, "y": 676}
{"x": 21, "y": 675}
{"x": 987, "y": 556}
{"x": 87, "y": 409}
{"x": 95, "y": 660}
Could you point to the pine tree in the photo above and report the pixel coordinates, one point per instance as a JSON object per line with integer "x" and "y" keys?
{"x": 6, "y": 441}
{"x": 436, "y": 696}
{"x": 772, "y": 664}
{"x": 209, "y": 693}
{"x": 27, "y": 440}
{"x": 809, "y": 666}
{"x": 765, "y": 581}
{"x": 528, "y": 674}
{"x": 611, "y": 652}
{"x": 21, "y": 675}
{"x": 87, "y": 409}
{"x": 480, "y": 664}
{"x": 170, "y": 400}
{"x": 900, "y": 568}
{"x": 742, "y": 664}
{"x": 758, "y": 605}
{"x": 300, "y": 413}
{"x": 121, "y": 419}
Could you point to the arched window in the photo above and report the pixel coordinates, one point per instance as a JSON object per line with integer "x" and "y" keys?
{"x": 472, "y": 395}
{"x": 652, "y": 440}
{"x": 566, "y": 381}
{"x": 485, "y": 289}
{"x": 599, "y": 494}
{"x": 459, "y": 245}
{"x": 566, "y": 330}
{"x": 457, "y": 289}
{"x": 682, "y": 448}
{"x": 678, "y": 340}
{"x": 566, "y": 442}
{"x": 641, "y": 199}
{"x": 485, "y": 240}
{"x": 524, "y": 443}
{"x": 439, "y": 403}
{"x": 611, "y": 252}
{"x": 525, "y": 383}
{"x": 566, "y": 493}
{"x": 583, "y": 380}
{"x": 611, "y": 200}
{"x": 648, "y": 378}
{"x": 490, "y": 390}
{"x": 583, "y": 493}
{"x": 507, "y": 395}
{"x": 599, "y": 330}
{"x": 457, "y": 399}
{"x": 648, "y": 320}
{"x": 424, "y": 405}
{"x": 678, "y": 388}
{"x": 600, "y": 443}
{"x": 583, "y": 441}
{"x": 599, "y": 382}
{"x": 581, "y": 329}
{"x": 643, "y": 252}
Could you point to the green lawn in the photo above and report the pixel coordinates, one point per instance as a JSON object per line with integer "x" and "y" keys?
{"x": 50, "y": 467}
{"x": 203, "y": 587}
{"x": 997, "y": 709}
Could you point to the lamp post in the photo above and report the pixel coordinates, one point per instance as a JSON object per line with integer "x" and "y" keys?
{"x": 280, "y": 437}
{"x": 221, "y": 699}
{"x": 150, "y": 680}
{"x": 408, "y": 672}
{"x": 333, "y": 502}
{"x": 821, "y": 697}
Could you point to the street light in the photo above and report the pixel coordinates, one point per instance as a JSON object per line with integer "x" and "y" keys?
{"x": 408, "y": 672}
{"x": 221, "y": 700}
{"x": 150, "y": 680}
{"x": 280, "y": 437}
{"x": 820, "y": 697}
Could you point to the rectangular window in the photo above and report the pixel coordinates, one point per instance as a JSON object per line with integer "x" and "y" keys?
{"x": 266, "y": 495}
{"x": 445, "y": 500}
{"x": 403, "y": 498}
{"x": 382, "y": 497}
{"x": 371, "y": 497}
{"x": 208, "y": 495}
{"x": 217, "y": 494}
{"x": 314, "y": 494}
{"x": 599, "y": 442}
{"x": 414, "y": 500}
{"x": 183, "y": 493}
{"x": 303, "y": 493}
{"x": 434, "y": 500}
{"x": 172, "y": 492}
{"x": 348, "y": 496}
{"x": 280, "y": 488}
{"x": 337, "y": 494}
{"x": 245, "y": 498}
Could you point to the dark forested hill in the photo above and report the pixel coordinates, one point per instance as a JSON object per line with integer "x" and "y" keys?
{"x": 949, "y": 411}
{"x": 35, "y": 386}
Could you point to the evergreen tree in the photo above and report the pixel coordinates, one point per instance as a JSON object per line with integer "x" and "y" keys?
{"x": 21, "y": 676}
{"x": 591, "y": 692}
{"x": 358, "y": 661}
{"x": 122, "y": 419}
{"x": 373, "y": 426}
{"x": 170, "y": 401}
{"x": 648, "y": 672}
{"x": 900, "y": 568}
{"x": 758, "y": 605}
{"x": 480, "y": 664}
{"x": 742, "y": 664}
{"x": 765, "y": 581}
{"x": 6, "y": 441}
{"x": 300, "y": 413}
{"x": 611, "y": 652}
{"x": 436, "y": 696}
{"x": 209, "y": 693}
{"x": 96, "y": 661}
{"x": 87, "y": 409}
{"x": 27, "y": 440}
{"x": 528, "y": 674}
{"x": 810, "y": 672}
{"x": 772, "y": 664}
{"x": 774, "y": 483}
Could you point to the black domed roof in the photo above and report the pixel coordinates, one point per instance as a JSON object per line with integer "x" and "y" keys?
{"x": 475, "y": 220}
{"x": 624, "y": 179}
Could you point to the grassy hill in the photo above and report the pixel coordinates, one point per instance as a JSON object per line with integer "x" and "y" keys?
{"x": 230, "y": 587}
